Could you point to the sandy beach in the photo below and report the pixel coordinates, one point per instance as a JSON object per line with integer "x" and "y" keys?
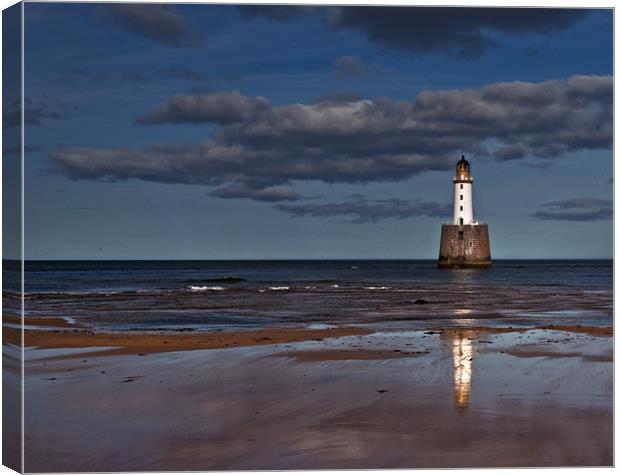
{"x": 308, "y": 398}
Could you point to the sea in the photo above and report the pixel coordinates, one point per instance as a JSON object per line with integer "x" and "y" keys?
{"x": 384, "y": 294}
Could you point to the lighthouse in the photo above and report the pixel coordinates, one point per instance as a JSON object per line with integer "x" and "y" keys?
{"x": 464, "y": 242}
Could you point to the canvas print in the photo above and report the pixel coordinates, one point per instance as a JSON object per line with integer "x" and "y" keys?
{"x": 284, "y": 237}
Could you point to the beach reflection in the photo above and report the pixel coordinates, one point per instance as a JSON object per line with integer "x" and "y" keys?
{"x": 462, "y": 359}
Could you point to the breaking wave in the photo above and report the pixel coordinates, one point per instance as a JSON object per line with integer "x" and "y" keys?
{"x": 200, "y": 288}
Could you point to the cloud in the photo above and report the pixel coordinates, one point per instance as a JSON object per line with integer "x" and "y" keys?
{"x": 157, "y": 22}
{"x": 35, "y": 112}
{"x": 577, "y": 209}
{"x": 511, "y": 152}
{"x": 351, "y": 66}
{"x": 267, "y": 193}
{"x": 464, "y": 32}
{"x": 258, "y": 146}
{"x": 219, "y": 108}
{"x": 361, "y": 210}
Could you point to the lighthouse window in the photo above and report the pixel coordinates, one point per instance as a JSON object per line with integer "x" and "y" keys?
{"x": 461, "y": 186}
{"x": 461, "y": 197}
{"x": 461, "y": 208}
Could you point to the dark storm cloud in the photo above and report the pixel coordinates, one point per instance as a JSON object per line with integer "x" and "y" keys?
{"x": 459, "y": 31}
{"x": 577, "y": 209}
{"x": 156, "y": 22}
{"x": 35, "y": 113}
{"x": 220, "y": 107}
{"x": 261, "y": 146}
{"x": 363, "y": 211}
{"x": 463, "y": 30}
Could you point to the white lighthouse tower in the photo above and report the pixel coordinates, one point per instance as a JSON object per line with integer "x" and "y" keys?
{"x": 463, "y": 194}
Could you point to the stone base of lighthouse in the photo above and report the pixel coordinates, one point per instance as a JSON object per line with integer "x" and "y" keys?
{"x": 464, "y": 246}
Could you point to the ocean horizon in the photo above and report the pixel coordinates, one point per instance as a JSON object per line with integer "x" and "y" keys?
{"x": 206, "y": 295}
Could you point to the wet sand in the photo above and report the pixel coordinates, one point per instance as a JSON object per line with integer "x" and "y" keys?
{"x": 55, "y": 332}
{"x": 357, "y": 354}
{"x": 318, "y": 398}
{"x": 131, "y": 343}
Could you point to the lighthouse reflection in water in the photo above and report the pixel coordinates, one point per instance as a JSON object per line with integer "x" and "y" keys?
{"x": 462, "y": 362}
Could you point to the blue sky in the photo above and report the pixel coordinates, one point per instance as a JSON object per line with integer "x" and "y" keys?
{"x": 215, "y": 132}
